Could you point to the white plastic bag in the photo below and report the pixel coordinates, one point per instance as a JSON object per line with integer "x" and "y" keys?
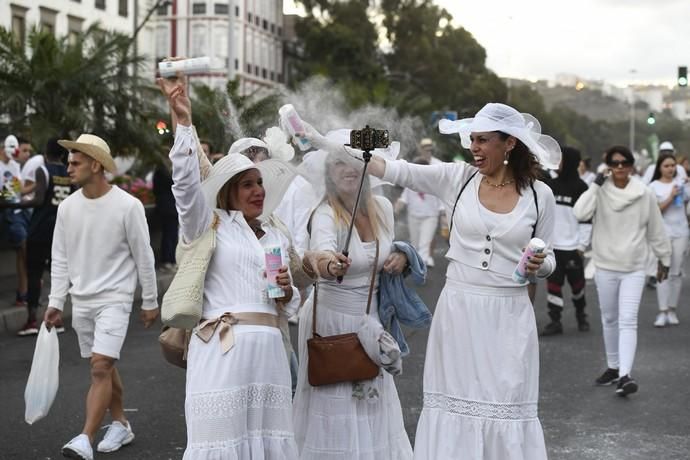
{"x": 42, "y": 385}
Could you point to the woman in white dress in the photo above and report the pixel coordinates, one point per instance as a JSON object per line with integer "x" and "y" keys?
{"x": 672, "y": 196}
{"x": 238, "y": 398}
{"x": 349, "y": 421}
{"x": 481, "y": 374}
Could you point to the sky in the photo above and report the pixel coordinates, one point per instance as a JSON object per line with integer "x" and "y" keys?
{"x": 619, "y": 41}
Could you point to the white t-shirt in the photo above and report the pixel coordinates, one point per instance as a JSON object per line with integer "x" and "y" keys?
{"x": 420, "y": 204}
{"x": 10, "y": 182}
{"x": 31, "y": 166}
{"x": 675, "y": 222}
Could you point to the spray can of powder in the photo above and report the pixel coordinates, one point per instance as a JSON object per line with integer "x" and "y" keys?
{"x": 535, "y": 246}
{"x": 186, "y": 66}
{"x": 293, "y": 123}
{"x": 274, "y": 261}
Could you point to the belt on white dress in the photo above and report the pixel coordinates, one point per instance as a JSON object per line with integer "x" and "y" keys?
{"x": 227, "y": 320}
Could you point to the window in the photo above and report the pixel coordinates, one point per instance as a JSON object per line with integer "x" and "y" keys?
{"x": 273, "y": 76}
{"x": 264, "y": 74}
{"x": 280, "y": 77}
{"x": 249, "y": 17}
{"x": 199, "y": 45}
{"x": 221, "y": 8}
{"x": 19, "y": 25}
{"x": 249, "y": 68}
{"x": 237, "y": 64}
{"x": 273, "y": 28}
{"x": 237, "y": 11}
{"x": 199, "y": 8}
{"x": 74, "y": 26}
{"x": 122, "y": 8}
{"x": 48, "y": 19}
{"x": 280, "y": 31}
{"x": 162, "y": 10}
{"x": 265, "y": 24}
{"x": 257, "y": 21}
{"x": 256, "y": 70}
{"x": 100, "y": 4}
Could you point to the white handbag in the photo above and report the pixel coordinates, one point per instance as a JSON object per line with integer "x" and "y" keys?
{"x": 183, "y": 301}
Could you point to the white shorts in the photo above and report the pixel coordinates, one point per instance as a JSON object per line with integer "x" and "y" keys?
{"x": 101, "y": 329}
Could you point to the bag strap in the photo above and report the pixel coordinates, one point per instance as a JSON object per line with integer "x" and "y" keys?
{"x": 462, "y": 189}
{"x": 536, "y": 205}
{"x": 371, "y": 292}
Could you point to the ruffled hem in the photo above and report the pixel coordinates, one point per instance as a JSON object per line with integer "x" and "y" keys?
{"x": 398, "y": 449}
{"x": 255, "y": 446}
{"x": 447, "y": 435}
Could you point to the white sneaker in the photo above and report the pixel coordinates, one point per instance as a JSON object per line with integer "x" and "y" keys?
{"x": 118, "y": 435}
{"x": 661, "y": 319}
{"x": 79, "y": 448}
{"x": 672, "y": 318}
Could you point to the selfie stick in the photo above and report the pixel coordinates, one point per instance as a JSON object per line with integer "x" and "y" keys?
{"x": 366, "y": 156}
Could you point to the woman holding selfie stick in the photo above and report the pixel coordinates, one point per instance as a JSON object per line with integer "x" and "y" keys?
{"x": 349, "y": 420}
{"x": 481, "y": 374}
{"x": 626, "y": 223}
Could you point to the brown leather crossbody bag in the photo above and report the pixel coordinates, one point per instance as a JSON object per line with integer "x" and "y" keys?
{"x": 340, "y": 358}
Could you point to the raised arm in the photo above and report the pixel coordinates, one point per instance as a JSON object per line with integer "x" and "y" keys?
{"x": 193, "y": 211}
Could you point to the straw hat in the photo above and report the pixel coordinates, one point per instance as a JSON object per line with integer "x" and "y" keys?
{"x": 276, "y": 174}
{"x": 504, "y": 118}
{"x": 95, "y": 147}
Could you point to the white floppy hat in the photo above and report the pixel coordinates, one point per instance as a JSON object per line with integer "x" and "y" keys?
{"x": 242, "y": 144}
{"x": 666, "y": 145}
{"x": 95, "y": 147}
{"x": 504, "y": 118}
{"x": 277, "y": 176}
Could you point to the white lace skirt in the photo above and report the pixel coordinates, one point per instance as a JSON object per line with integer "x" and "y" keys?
{"x": 481, "y": 378}
{"x": 239, "y": 405}
{"x": 332, "y": 424}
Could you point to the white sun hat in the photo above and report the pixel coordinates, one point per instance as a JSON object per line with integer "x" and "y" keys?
{"x": 276, "y": 175}
{"x": 504, "y": 118}
{"x": 666, "y": 145}
{"x": 240, "y": 145}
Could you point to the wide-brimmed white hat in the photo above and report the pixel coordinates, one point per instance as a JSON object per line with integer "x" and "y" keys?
{"x": 93, "y": 146}
{"x": 666, "y": 145}
{"x": 276, "y": 175}
{"x": 242, "y": 144}
{"x": 504, "y": 118}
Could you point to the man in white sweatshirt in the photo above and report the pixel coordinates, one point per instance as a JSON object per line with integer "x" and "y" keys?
{"x": 100, "y": 247}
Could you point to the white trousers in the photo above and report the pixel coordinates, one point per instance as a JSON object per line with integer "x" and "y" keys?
{"x": 668, "y": 292}
{"x": 422, "y": 231}
{"x": 619, "y": 301}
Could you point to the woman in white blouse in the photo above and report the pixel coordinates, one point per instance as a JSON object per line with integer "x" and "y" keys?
{"x": 362, "y": 420}
{"x": 672, "y": 196}
{"x": 238, "y": 397}
{"x": 481, "y": 374}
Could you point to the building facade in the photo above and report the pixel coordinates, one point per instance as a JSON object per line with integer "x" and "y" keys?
{"x": 243, "y": 38}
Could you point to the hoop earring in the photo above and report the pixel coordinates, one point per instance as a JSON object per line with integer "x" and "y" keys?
{"x": 505, "y": 158}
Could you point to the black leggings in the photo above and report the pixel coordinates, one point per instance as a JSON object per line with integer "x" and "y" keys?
{"x": 570, "y": 265}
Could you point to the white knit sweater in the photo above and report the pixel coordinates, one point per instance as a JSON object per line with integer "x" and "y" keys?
{"x": 627, "y": 223}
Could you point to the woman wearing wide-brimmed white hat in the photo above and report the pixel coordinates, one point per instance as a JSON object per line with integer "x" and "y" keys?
{"x": 238, "y": 397}
{"x": 481, "y": 374}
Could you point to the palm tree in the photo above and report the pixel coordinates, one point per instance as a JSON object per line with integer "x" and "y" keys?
{"x": 69, "y": 85}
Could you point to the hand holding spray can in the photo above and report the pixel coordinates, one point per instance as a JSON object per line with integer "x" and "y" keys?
{"x": 186, "y": 66}
{"x": 293, "y": 123}
{"x": 274, "y": 261}
{"x": 535, "y": 246}
{"x": 679, "y": 199}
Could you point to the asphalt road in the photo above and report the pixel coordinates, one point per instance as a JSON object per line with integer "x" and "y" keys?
{"x": 581, "y": 421}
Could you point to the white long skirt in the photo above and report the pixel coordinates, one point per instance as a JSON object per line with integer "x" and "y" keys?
{"x": 481, "y": 378}
{"x": 239, "y": 404}
{"x": 331, "y": 424}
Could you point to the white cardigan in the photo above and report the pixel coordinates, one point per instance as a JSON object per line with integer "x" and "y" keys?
{"x": 625, "y": 224}
{"x": 471, "y": 243}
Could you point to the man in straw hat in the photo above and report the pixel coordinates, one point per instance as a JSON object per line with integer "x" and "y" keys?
{"x": 100, "y": 247}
